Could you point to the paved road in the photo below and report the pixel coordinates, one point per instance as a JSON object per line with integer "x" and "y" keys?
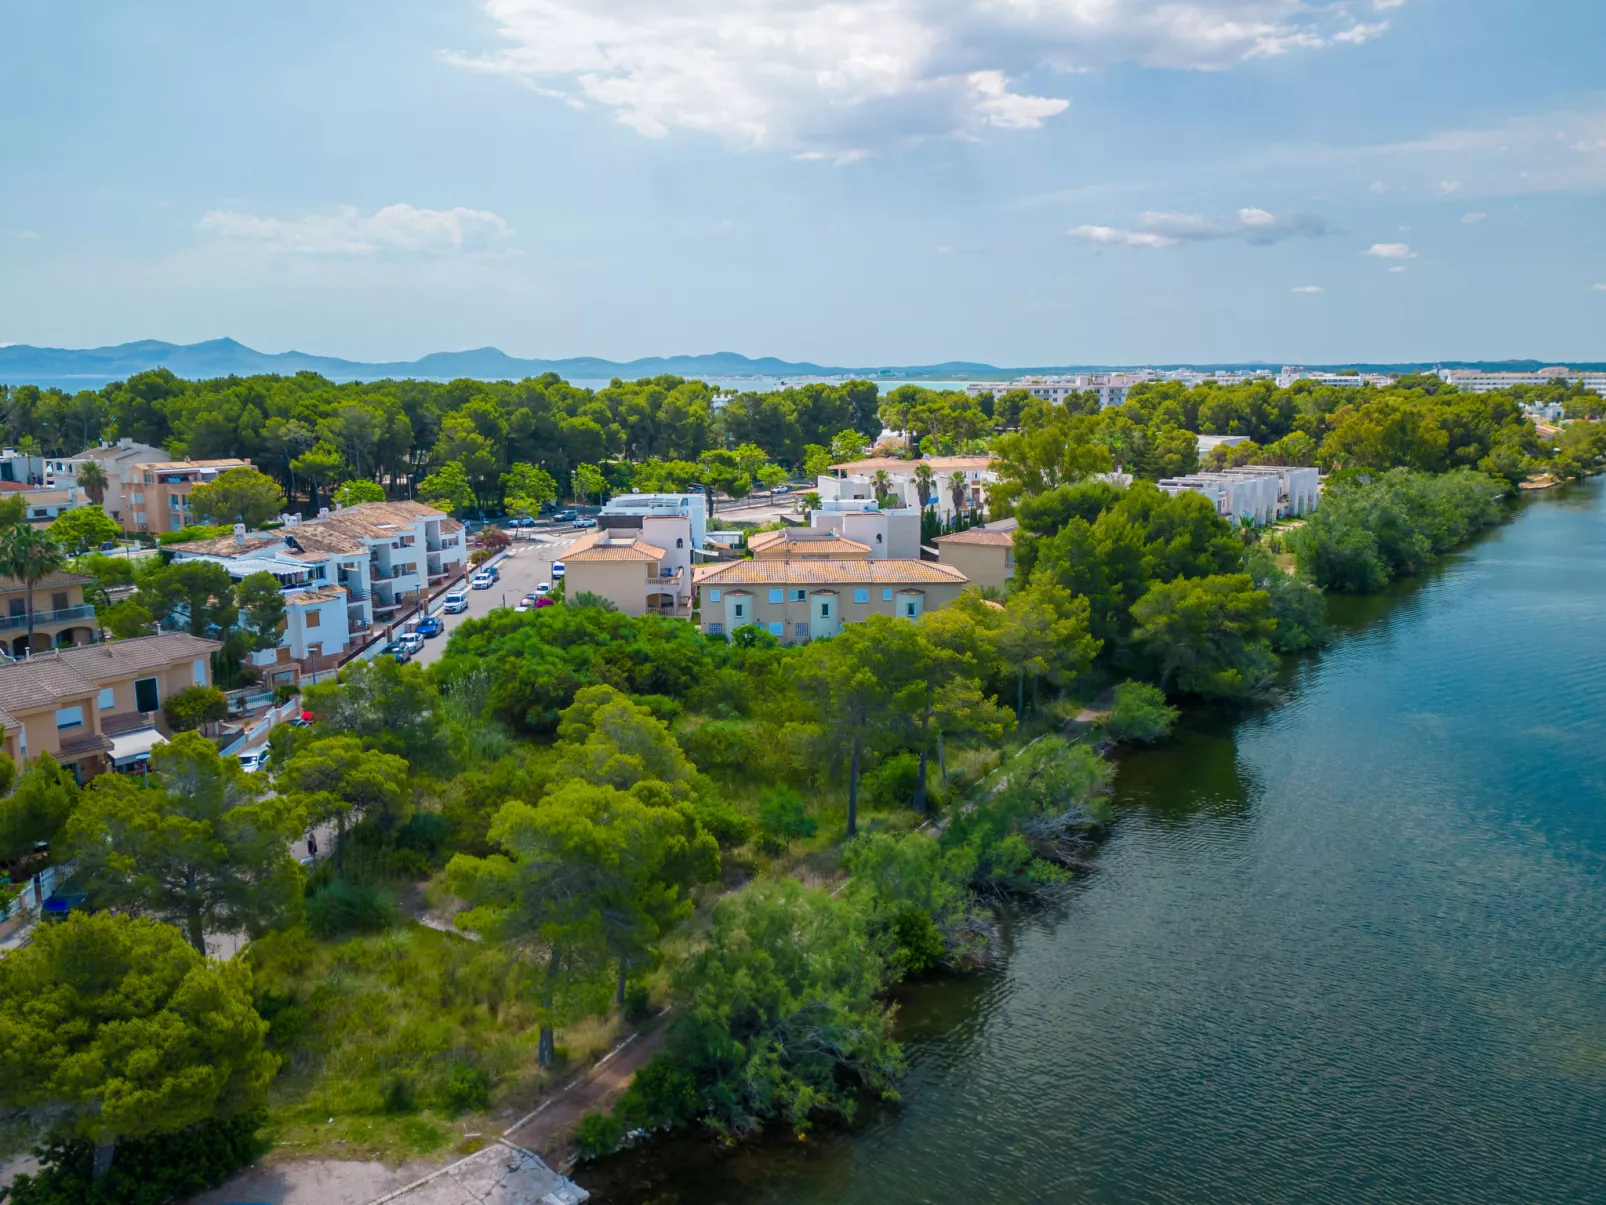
{"x": 527, "y": 565}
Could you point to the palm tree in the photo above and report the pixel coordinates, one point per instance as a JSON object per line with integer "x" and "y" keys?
{"x": 93, "y": 478}
{"x": 30, "y": 556}
{"x": 958, "y": 487}
{"x": 925, "y": 483}
{"x": 881, "y": 482}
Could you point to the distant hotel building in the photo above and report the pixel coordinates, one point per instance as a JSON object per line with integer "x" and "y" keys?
{"x": 1470, "y": 381}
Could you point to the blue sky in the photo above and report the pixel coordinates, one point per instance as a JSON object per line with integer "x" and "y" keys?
{"x": 870, "y": 182}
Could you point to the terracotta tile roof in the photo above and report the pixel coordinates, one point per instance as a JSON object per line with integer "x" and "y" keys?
{"x": 938, "y": 464}
{"x": 307, "y": 597}
{"x": 999, "y": 535}
{"x": 120, "y": 723}
{"x": 82, "y": 742}
{"x": 589, "y": 548}
{"x": 10, "y": 585}
{"x": 226, "y": 545}
{"x": 115, "y": 658}
{"x": 805, "y": 541}
{"x": 811, "y": 570}
{"x": 168, "y": 466}
{"x": 41, "y": 681}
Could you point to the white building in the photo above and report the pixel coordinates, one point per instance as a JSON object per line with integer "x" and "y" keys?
{"x": 120, "y": 462}
{"x": 1237, "y": 498}
{"x": 892, "y": 533}
{"x": 342, "y": 574}
{"x": 1470, "y": 381}
{"x": 855, "y": 480}
{"x": 1209, "y": 443}
{"x": 1343, "y": 380}
{"x": 1112, "y": 387}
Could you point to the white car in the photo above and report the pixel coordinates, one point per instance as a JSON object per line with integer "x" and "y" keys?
{"x": 557, "y": 569}
{"x": 411, "y": 641}
{"x": 253, "y": 760}
{"x": 543, "y": 588}
{"x": 456, "y": 602}
{"x": 582, "y": 521}
{"x": 481, "y": 581}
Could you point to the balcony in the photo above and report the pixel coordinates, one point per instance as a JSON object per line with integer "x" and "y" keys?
{"x": 42, "y": 619}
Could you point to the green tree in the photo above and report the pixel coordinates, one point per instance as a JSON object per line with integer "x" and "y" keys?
{"x": 30, "y": 556}
{"x": 771, "y": 475}
{"x": 38, "y": 809}
{"x": 853, "y": 676}
{"x": 201, "y": 850}
{"x": 847, "y": 446}
{"x": 83, "y": 528}
{"x": 194, "y": 706}
{"x": 448, "y": 487}
{"x": 527, "y": 489}
{"x": 260, "y": 602}
{"x": 816, "y": 461}
{"x": 1209, "y": 636}
{"x": 336, "y": 778}
{"x": 916, "y": 899}
{"x": 199, "y": 592}
{"x": 1045, "y": 635}
{"x": 127, "y": 619}
{"x": 115, "y": 1028}
{"x": 783, "y": 817}
{"x": 587, "y": 482}
{"x": 390, "y": 707}
{"x": 1140, "y": 713}
{"x": 316, "y": 466}
{"x": 240, "y": 495}
{"x": 777, "y": 1017}
{"x": 358, "y": 491}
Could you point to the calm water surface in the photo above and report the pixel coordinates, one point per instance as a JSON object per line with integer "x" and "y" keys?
{"x": 1350, "y": 949}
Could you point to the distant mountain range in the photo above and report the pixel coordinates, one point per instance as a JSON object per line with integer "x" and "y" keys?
{"x": 92, "y": 367}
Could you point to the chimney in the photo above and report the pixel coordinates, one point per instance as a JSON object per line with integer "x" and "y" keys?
{"x": 323, "y": 512}
{"x": 239, "y": 535}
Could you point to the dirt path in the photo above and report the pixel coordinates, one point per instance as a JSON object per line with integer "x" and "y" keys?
{"x": 549, "y": 1131}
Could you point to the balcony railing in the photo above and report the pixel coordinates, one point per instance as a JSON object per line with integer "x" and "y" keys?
{"x": 46, "y": 618}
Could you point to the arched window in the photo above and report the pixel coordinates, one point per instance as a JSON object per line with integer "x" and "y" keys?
{"x": 680, "y": 542}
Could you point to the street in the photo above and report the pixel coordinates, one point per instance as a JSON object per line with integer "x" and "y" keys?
{"x": 527, "y": 564}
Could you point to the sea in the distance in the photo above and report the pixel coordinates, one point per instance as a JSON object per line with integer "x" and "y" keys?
{"x": 1350, "y": 948}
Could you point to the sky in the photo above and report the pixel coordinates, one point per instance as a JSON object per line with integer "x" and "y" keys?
{"x": 856, "y": 182}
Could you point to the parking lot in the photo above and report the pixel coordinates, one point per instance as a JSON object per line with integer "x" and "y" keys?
{"x": 527, "y": 564}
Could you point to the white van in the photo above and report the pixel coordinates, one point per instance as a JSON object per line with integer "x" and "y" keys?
{"x": 456, "y": 602}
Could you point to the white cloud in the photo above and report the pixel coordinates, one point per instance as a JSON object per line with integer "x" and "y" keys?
{"x": 1382, "y": 5}
{"x": 395, "y": 228}
{"x": 1472, "y": 219}
{"x": 1163, "y": 229}
{"x": 1358, "y": 33}
{"x": 1391, "y": 251}
{"x": 1600, "y": 288}
{"x": 1398, "y": 268}
{"x": 1307, "y": 289}
{"x": 1449, "y": 186}
{"x": 25, "y": 235}
{"x": 843, "y": 78}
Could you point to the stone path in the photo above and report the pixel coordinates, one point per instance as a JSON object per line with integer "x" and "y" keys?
{"x": 501, "y": 1174}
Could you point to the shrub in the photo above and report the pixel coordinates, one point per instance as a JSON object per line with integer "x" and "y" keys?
{"x": 1140, "y": 713}
{"x": 724, "y": 823}
{"x": 144, "y": 1171}
{"x": 587, "y": 598}
{"x": 467, "y": 1087}
{"x": 638, "y": 1003}
{"x": 782, "y": 817}
{"x": 399, "y": 1094}
{"x": 341, "y": 908}
{"x": 598, "y": 1134}
{"x": 892, "y": 783}
{"x": 189, "y": 709}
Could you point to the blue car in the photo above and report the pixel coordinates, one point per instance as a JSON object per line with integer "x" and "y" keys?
{"x": 429, "y": 627}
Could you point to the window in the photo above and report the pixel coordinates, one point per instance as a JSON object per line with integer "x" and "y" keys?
{"x": 878, "y": 537}
{"x": 40, "y": 512}
{"x": 825, "y": 610}
{"x": 776, "y": 629}
{"x": 861, "y": 596}
{"x": 799, "y": 595}
{"x": 886, "y": 595}
{"x": 58, "y": 602}
{"x": 314, "y": 618}
{"x": 909, "y": 609}
{"x": 716, "y": 629}
{"x": 713, "y": 596}
{"x": 800, "y": 631}
{"x": 680, "y": 542}
{"x": 69, "y": 717}
{"x": 741, "y": 610}
{"x": 200, "y": 671}
{"x": 146, "y": 696}
{"x": 18, "y": 607}
{"x": 108, "y": 698}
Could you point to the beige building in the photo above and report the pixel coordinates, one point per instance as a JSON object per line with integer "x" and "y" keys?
{"x": 60, "y": 614}
{"x": 806, "y": 542}
{"x": 159, "y": 496}
{"x": 986, "y": 555}
{"x": 808, "y": 598}
{"x": 621, "y": 566}
{"x": 123, "y": 463}
{"x": 98, "y": 707}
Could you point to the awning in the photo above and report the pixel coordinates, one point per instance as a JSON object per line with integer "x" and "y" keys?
{"x": 134, "y": 746}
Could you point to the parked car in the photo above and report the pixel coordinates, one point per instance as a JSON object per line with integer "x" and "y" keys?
{"x": 411, "y": 641}
{"x": 429, "y": 627}
{"x": 523, "y": 606}
{"x": 543, "y": 588}
{"x": 397, "y": 650}
{"x": 482, "y": 580}
{"x": 496, "y": 574}
{"x": 782, "y": 489}
{"x": 557, "y": 569}
{"x": 253, "y": 760}
{"x": 562, "y": 516}
{"x": 456, "y": 602}
{"x": 583, "y": 521}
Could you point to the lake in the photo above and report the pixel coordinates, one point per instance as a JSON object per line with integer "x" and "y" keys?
{"x": 1350, "y": 948}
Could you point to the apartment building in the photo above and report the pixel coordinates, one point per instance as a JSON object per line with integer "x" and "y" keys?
{"x": 638, "y": 577}
{"x": 159, "y": 497}
{"x": 1111, "y": 387}
{"x": 47, "y": 505}
{"x": 1343, "y": 380}
{"x": 123, "y": 463}
{"x": 343, "y": 575}
{"x": 855, "y": 481}
{"x": 804, "y": 542}
{"x": 811, "y": 598}
{"x": 985, "y": 555}
{"x": 60, "y": 614}
{"x": 1471, "y": 381}
{"x": 1238, "y": 498}
{"x": 99, "y": 707}
{"x": 888, "y": 534}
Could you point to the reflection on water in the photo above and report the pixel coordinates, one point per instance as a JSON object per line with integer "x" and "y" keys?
{"x": 1350, "y": 948}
